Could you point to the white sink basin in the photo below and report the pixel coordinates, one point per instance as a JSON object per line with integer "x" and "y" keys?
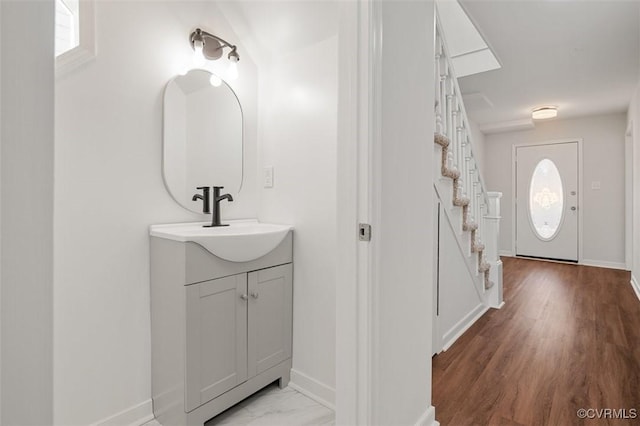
{"x": 241, "y": 241}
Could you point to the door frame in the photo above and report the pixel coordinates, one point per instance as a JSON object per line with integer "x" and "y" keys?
{"x": 363, "y": 359}
{"x": 628, "y": 199}
{"x": 514, "y": 148}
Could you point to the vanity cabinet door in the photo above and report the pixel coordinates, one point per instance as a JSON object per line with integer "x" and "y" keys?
{"x": 270, "y": 317}
{"x": 216, "y": 338}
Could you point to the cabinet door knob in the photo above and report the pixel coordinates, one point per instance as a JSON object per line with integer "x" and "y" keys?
{"x": 244, "y": 297}
{"x": 254, "y": 295}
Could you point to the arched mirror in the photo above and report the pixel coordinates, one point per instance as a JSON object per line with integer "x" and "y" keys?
{"x": 202, "y": 137}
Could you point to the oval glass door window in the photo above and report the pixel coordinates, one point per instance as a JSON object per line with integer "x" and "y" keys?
{"x": 546, "y": 200}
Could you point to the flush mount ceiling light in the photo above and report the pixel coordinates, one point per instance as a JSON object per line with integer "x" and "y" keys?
{"x": 544, "y": 112}
{"x": 207, "y": 46}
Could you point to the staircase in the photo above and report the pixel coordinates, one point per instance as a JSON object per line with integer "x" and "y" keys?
{"x": 473, "y": 213}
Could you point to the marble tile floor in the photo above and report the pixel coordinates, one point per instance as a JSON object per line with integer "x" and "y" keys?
{"x": 273, "y": 406}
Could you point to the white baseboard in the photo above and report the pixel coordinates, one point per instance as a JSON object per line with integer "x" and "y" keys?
{"x": 604, "y": 264}
{"x": 314, "y": 389}
{"x": 463, "y": 325}
{"x": 635, "y": 285}
{"x": 132, "y": 416}
{"x": 428, "y": 418}
{"x": 506, "y": 253}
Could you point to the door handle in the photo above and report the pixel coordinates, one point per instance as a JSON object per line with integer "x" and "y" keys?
{"x": 573, "y": 208}
{"x": 244, "y": 297}
{"x": 255, "y": 294}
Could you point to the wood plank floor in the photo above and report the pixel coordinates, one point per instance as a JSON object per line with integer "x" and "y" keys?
{"x": 567, "y": 338}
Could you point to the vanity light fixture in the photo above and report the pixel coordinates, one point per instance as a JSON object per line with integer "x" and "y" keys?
{"x": 544, "y": 112}
{"x": 207, "y": 46}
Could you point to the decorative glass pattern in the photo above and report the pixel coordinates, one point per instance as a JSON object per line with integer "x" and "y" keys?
{"x": 546, "y": 199}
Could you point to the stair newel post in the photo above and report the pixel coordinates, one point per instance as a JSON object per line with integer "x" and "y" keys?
{"x": 491, "y": 222}
{"x": 483, "y": 210}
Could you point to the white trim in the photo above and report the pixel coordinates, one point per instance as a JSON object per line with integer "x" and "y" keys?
{"x": 585, "y": 262}
{"x": 86, "y": 50}
{"x": 635, "y": 286}
{"x": 318, "y": 391}
{"x": 133, "y": 416}
{"x": 514, "y": 147}
{"x": 463, "y": 325}
{"x": 604, "y": 264}
{"x": 628, "y": 189}
{"x": 507, "y": 253}
{"x": 428, "y": 418}
{"x": 580, "y": 198}
{"x": 371, "y": 342}
{"x": 507, "y": 126}
{"x": 354, "y": 307}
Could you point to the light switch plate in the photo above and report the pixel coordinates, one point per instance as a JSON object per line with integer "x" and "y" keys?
{"x": 268, "y": 177}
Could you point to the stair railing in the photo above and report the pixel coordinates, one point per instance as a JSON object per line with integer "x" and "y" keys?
{"x": 453, "y": 134}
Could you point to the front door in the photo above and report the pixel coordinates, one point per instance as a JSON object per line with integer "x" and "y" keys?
{"x": 547, "y": 201}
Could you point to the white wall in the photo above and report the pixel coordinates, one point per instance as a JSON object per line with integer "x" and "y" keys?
{"x": 458, "y": 295}
{"x": 26, "y": 198}
{"x": 298, "y": 133}
{"x": 478, "y": 144}
{"x": 404, "y": 216}
{"x": 109, "y": 189}
{"x": 603, "y": 158}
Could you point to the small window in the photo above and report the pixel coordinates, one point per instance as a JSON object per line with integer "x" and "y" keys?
{"x": 74, "y": 37}
{"x": 546, "y": 200}
{"x": 67, "y": 25}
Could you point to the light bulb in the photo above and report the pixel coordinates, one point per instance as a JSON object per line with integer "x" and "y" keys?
{"x": 232, "y": 71}
{"x": 215, "y": 80}
{"x": 198, "y": 55}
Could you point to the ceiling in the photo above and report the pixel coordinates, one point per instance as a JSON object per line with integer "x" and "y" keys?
{"x": 582, "y": 56}
{"x": 275, "y": 27}
{"x": 469, "y": 53}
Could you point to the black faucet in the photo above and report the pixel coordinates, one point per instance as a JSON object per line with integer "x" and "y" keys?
{"x": 204, "y": 197}
{"x": 215, "y": 219}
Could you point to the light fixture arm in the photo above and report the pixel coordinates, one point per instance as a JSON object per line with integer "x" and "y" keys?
{"x": 202, "y": 36}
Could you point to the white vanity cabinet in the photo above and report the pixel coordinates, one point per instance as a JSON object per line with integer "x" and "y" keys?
{"x": 220, "y": 330}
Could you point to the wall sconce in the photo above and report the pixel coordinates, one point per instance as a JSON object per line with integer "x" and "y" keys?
{"x": 207, "y": 46}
